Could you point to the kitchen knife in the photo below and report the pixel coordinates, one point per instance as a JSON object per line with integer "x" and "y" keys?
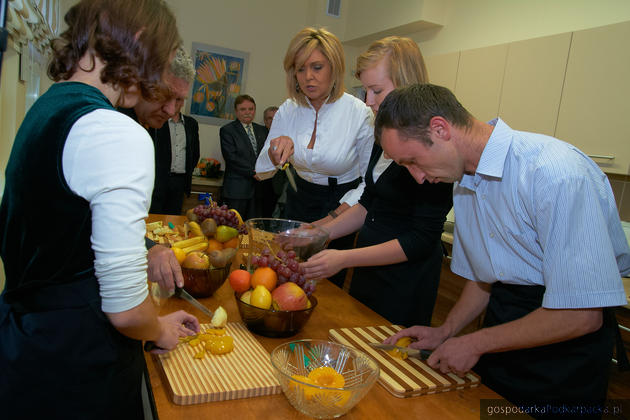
{"x": 182, "y": 294}
{"x": 421, "y": 354}
{"x": 287, "y": 171}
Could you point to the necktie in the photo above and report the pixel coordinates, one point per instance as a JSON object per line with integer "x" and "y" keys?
{"x": 252, "y": 139}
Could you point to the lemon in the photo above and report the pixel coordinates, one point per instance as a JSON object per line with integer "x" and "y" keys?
{"x": 180, "y": 254}
{"x": 261, "y": 297}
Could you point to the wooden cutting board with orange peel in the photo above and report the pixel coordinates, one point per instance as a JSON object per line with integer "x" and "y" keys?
{"x": 401, "y": 377}
{"x": 244, "y": 372}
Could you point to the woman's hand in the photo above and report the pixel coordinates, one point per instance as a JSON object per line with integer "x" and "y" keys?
{"x": 324, "y": 264}
{"x": 280, "y": 150}
{"x": 175, "y": 325}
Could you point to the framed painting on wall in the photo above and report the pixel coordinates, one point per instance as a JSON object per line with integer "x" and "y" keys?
{"x": 220, "y": 75}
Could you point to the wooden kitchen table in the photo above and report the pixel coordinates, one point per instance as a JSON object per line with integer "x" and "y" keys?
{"x": 335, "y": 309}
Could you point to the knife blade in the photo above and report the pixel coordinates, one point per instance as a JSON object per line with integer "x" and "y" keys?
{"x": 182, "y": 294}
{"x": 289, "y": 174}
{"x": 421, "y": 354}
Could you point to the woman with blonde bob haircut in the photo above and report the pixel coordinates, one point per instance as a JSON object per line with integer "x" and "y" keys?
{"x": 76, "y": 306}
{"x": 325, "y": 133}
{"x": 398, "y": 255}
{"x": 301, "y": 48}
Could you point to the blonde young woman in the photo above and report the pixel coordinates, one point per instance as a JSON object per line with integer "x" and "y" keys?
{"x": 398, "y": 254}
{"x": 325, "y": 133}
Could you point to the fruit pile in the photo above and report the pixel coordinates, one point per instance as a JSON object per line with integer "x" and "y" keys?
{"x": 220, "y": 214}
{"x": 203, "y": 243}
{"x": 212, "y": 341}
{"x": 286, "y": 267}
{"x": 264, "y": 290}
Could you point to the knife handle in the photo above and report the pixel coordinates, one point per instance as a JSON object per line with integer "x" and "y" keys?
{"x": 150, "y": 345}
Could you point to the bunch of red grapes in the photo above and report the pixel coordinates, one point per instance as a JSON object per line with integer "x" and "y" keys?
{"x": 286, "y": 267}
{"x": 221, "y": 214}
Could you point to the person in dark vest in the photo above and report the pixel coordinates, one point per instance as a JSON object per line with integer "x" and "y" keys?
{"x": 539, "y": 239}
{"x": 76, "y": 307}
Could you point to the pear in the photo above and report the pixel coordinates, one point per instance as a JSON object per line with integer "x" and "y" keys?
{"x": 225, "y": 233}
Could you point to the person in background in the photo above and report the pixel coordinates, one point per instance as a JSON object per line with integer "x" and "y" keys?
{"x": 324, "y": 132}
{"x": 268, "y": 115}
{"x": 176, "y": 143}
{"x": 398, "y": 254}
{"x": 537, "y": 236}
{"x": 76, "y": 306}
{"x": 153, "y": 115}
{"x": 279, "y": 180}
{"x": 241, "y": 141}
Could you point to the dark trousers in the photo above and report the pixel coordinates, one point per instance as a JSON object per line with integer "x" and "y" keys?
{"x": 169, "y": 197}
{"x": 247, "y": 207}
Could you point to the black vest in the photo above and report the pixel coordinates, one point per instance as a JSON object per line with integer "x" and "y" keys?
{"x": 45, "y": 228}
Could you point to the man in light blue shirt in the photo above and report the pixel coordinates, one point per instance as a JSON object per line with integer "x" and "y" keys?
{"x": 537, "y": 235}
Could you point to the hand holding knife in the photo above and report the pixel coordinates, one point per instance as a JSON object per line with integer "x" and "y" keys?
{"x": 180, "y": 293}
{"x": 420, "y": 354}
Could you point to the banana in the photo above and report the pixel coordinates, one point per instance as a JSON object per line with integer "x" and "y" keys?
{"x": 188, "y": 242}
{"x": 196, "y": 247}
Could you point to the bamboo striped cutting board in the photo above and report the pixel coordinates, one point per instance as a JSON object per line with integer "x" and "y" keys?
{"x": 244, "y": 372}
{"x": 403, "y": 378}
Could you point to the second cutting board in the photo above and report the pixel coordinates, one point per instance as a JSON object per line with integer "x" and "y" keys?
{"x": 244, "y": 372}
{"x": 402, "y": 378}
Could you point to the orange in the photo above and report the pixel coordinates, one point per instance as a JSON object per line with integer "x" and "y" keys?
{"x": 180, "y": 254}
{"x": 232, "y": 243}
{"x": 240, "y": 280}
{"x": 214, "y": 245}
{"x": 264, "y": 276}
{"x": 326, "y": 376}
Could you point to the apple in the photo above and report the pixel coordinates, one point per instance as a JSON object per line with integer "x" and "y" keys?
{"x": 196, "y": 259}
{"x": 289, "y": 297}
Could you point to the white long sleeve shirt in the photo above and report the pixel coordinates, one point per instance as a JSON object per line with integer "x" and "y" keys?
{"x": 343, "y": 143}
{"x": 108, "y": 160}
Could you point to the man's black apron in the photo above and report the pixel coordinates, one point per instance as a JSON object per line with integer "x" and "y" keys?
{"x": 571, "y": 371}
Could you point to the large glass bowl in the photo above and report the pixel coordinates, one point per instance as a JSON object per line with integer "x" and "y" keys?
{"x": 273, "y": 323}
{"x": 277, "y": 235}
{"x": 359, "y": 371}
{"x": 203, "y": 283}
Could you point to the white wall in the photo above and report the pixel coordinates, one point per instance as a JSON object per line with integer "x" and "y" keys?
{"x": 261, "y": 28}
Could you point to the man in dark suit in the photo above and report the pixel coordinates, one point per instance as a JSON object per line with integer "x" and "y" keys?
{"x": 175, "y": 137}
{"x": 241, "y": 141}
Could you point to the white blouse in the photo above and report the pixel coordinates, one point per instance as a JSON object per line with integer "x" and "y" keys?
{"x": 108, "y": 160}
{"x": 343, "y": 143}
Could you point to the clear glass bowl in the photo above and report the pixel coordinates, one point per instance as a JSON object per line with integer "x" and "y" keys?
{"x": 359, "y": 370}
{"x": 277, "y": 235}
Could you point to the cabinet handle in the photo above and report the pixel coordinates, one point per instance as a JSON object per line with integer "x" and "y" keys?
{"x": 609, "y": 157}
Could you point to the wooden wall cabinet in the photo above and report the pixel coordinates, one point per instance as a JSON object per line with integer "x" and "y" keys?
{"x": 532, "y": 83}
{"x": 479, "y": 80}
{"x": 443, "y": 69}
{"x": 595, "y": 112}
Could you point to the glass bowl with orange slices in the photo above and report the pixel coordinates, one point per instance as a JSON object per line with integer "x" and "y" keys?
{"x": 323, "y": 379}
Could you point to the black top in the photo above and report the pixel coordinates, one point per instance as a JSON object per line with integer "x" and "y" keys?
{"x": 414, "y": 214}
{"x": 40, "y": 215}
